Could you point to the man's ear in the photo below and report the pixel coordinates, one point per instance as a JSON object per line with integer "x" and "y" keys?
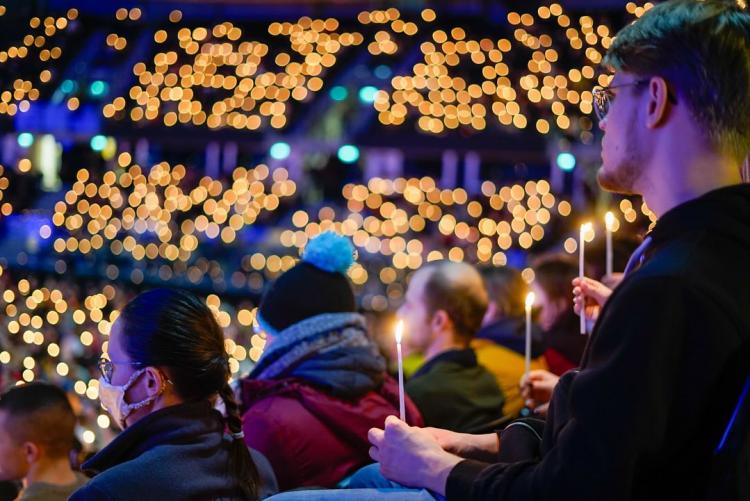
{"x": 658, "y": 102}
{"x": 440, "y": 320}
{"x": 32, "y": 452}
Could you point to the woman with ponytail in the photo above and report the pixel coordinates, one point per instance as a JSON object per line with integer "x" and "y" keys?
{"x": 161, "y": 382}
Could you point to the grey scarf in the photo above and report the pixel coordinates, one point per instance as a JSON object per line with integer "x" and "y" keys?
{"x": 331, "y": 350}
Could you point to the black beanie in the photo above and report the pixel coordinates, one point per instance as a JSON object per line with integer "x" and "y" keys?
{"x": 318, "y": 284}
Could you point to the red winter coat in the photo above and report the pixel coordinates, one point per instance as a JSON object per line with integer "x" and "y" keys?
{"x": 310, "y": 437}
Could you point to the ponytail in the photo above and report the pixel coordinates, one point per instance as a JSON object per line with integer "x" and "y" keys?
{"x": 241, "y": 465}
{"x": 175, "y": 330}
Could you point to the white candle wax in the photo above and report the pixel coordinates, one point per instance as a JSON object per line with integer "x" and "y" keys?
{"x": 529, "y": 303}
{"x": 585, "y": 228}
{"x": 401, "y": 406}
{"x": 609, "y": 220}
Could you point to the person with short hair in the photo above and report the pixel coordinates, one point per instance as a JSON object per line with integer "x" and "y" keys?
{"x": 36, "y": 438}
{"x": 442, "y": 311}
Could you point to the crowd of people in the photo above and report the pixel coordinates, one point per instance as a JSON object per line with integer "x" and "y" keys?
{"x": 320, "y": 386}
{"x": 651, "y": 405}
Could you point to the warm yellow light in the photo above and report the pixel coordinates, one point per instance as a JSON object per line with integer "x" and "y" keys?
{"x": 399, "y": 331}
{"x": 587, "y": 232}
{"x": 609, "y": 220}
{"x": 530, "y": 298}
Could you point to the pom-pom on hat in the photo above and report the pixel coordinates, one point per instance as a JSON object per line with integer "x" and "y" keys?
{"x": 317, "y": 284}
{"x": 330, "y": 251}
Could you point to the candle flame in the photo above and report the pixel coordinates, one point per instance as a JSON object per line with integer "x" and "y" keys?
{"x": 530, "y": 298}
{"x": 399, "y": 331}
{"x": 609, "y": 220}
{"x": 587, "y": 232}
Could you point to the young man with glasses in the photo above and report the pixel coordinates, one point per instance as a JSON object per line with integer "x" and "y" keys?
{"x": 668, "y": 357}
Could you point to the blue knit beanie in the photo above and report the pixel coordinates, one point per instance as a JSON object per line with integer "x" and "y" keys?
{"x": 317, "y": 284}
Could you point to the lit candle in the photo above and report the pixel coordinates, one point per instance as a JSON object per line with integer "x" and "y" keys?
{"x": 529, "y": 303}
{"x": 585, "y": 228}
{"x": 399, "y": 335}
{"x": 609, "y": 221}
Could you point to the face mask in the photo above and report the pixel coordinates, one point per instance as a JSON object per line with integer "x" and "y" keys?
{"x": 113, "y": 399}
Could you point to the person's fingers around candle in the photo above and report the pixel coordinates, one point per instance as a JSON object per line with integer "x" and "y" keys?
{"x": 393, "y": 423}
{"x": 413, "y": 457}
{"x": 375, "y": 436}
{"x": 592, "y": 289}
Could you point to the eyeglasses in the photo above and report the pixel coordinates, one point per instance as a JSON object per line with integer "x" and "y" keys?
{"x": 603, "y": 96}
{"x": 106, "y": 366}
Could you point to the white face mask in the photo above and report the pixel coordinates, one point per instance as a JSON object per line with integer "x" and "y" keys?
{"x": 112, "y": 399}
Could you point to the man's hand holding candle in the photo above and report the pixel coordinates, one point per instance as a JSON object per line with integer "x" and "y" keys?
{"x": 411, "y": 456}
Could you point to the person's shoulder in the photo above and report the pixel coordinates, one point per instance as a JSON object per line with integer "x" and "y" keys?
{"x": 702, "y": 267}
{"x": 690, "y": 258}
{"x": 642, "y": 298}
{"x": 646, "y": 310}
{"x": 487, "y": 346}
{"x": 493, "y": 355}
{"x": 439, "y": 379}
{"x": 278, "y": 416}
{"x": 481, "y": 374}
{"x": 80, "y": 481}
{"x": 649, "y": 282}
{"x": 278, "y": 406}
{"x": 150, "y": 468}
{"x": 421, "y": 383}
{"x": 673, "y": 292}
{"x": 43, "y": 491}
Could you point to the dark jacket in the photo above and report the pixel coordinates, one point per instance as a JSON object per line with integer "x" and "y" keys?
{"x": 454, "y": 392}
{"x": 178, "y": 453}
{"x": 660, "y": 378}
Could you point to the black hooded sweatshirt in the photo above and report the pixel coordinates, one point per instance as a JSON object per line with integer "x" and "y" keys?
{"x": 660, "y": 378}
